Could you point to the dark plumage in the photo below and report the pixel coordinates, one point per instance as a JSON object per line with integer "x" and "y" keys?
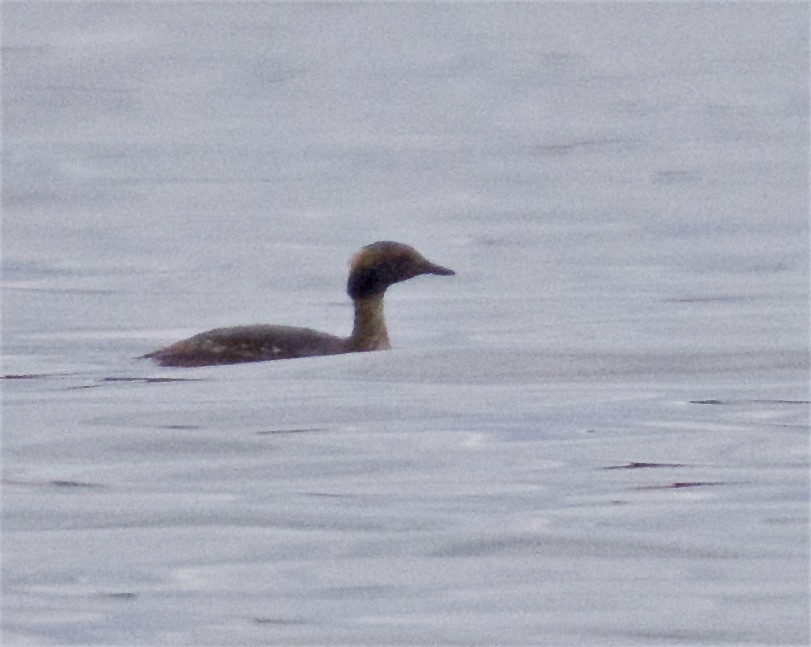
{"x": 373, "y": 269}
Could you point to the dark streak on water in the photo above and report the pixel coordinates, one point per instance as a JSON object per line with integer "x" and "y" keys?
{"x": 49, "y": 376}
{"x": 53, "y": 483}
{"x": 680, "y": 484}
{"x": 151, "y": 380}
{"x": 33, "y": 376}
{"x": 270, "y": 432}
{"x": 631, "y": 466}
{"x": 125, "y": 595}
{"x": 765, "y": 401}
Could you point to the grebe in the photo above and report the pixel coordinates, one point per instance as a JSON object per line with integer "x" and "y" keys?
{"x": 371, "y": 270}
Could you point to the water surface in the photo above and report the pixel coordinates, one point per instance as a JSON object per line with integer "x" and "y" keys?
{"x": 596, "y": 433}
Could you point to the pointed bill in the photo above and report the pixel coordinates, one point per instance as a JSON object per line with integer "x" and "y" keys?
{"x": 432, "y": 268}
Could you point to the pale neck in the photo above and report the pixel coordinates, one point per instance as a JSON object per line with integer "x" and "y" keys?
{"x": 369, "y": 332}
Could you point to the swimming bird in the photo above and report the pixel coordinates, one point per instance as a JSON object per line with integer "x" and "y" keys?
{"x": 371, "y": 271}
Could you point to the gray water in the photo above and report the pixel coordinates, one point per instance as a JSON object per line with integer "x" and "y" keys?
{"x": 596, "y": 433}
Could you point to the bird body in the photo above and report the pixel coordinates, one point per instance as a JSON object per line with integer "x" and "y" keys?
{"x": 372, "y": 270}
